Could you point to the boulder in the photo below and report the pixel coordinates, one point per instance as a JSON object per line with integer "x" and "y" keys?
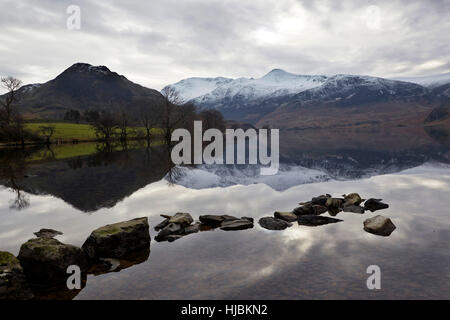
{"x": 271, "y": 223}
{"x": 320, "y": 200}
{"x": 45, "y": 260}
{"x": 169, "y": 230}
{"x": 13, "y": 283}
{"x": 304, "y": 210}
{"x": 239, "y": 224}
{"x": 379, "y": 225}
{"x": 352, "y": 199}
{"x": 194, "y": 228}
{"x": 47, "y": 233}
{"x": 319, "y": 209}
{"x": 183, "y": 219}
{"x": 286, "y": 216}
{"x": 314, "y": 220}
{"x": 215, "y": 220}
{"x": 375, "y": 204}
{"x": 118, "y": 239}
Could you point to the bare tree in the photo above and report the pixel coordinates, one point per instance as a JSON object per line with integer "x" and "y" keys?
{"x": 174, "y": 114}
{"x": 149, "y": 117}
{"x": 47, "y": 132}
{"x": 123, "y": 126}
{"x": 105, "y": 126}
{"x": 11, "y": 85}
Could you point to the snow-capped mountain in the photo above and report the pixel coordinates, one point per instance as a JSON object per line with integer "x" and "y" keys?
{"x": 249, "y": 99}
{"x": 429, "y": 81}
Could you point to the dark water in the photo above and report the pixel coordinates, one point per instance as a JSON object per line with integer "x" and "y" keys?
{"x": 407, "y": 167}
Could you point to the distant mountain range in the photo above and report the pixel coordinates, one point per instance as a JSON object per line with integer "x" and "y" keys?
{"x": 278, "y": 99}
{"x": 287, "y": 100}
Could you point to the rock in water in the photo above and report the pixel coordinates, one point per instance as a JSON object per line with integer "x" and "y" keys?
{"x": 314, "y": 220}
{"x": 318, "y": 209}
{"x": 171, "y": 229}
{"x": 192, "y": 229}
{"x": 271, "y": 223}
{"x": 240, "y": 224}
{"x": 215, "y": 220}
{"x": 162, "y": 225}
{"x": 320, "y": 200}
{"x": 183, "y": 219}
{"x": 45, "y": 260}
{"x": 352, "y": 199}
{"x": 304, "y": 210}
{"x": 286, "y": 216}
{"x": 118, "y": 239}
{"x": 379, "y": 225}
{"x": 47, "y": 233}
{"x": 375, "y": 204}
{"x": 13, "y": 283}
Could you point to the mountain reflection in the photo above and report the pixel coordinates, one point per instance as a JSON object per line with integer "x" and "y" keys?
{"x": 108, "y": 174}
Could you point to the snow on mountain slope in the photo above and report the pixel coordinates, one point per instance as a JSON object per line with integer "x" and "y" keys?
{"x": 429, "y": 81}
{"x": 275, "y": 83}
{"x": 191, "y": 88}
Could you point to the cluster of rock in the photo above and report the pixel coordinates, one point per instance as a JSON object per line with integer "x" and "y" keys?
{"x": 309, "y": 213}
{"x": 42, "y": 262}
{"x": 181, "y": 224}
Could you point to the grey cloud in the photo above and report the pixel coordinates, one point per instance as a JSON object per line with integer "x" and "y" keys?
{"x": 160, "y": 42}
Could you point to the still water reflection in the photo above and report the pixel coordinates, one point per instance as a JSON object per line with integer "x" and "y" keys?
{"x": 78, "y": 194}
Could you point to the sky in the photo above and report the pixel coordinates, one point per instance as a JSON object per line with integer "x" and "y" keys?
{"x": 155, "y": 43}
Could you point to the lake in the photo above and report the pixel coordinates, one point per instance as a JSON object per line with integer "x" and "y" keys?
{"x": 409, "y": 168}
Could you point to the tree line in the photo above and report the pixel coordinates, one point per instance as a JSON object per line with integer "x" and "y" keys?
{"x": 140, "y": 119}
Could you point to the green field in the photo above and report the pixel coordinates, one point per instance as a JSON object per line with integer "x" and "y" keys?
{"x": 73, "y": 131}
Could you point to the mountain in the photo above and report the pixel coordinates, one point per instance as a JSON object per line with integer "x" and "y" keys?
{"x": 282, "y": 99}
{"x": 82, "y": 87}
{"x": 429, "y": 81}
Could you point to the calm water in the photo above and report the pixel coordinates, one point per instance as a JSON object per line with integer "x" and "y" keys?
{"x": 408, "y": 169}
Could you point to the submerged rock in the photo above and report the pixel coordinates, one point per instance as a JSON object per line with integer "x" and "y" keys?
{"x": 239, "y": 224}
{"x": 13, "y": 283}
{"x": 375, "y": 204}
{"x": 354, "y": 209}
{"x": 45, "y": 260}
{"x": 379, "y": 225}
{"x": 47, "y": 233}
{"x": 286, "y": 216}
{"x": 183, "y": 219}
{"x": 118, "y": 239}
{"x": 271, "y": 223}
{"x": 314, "y": 220}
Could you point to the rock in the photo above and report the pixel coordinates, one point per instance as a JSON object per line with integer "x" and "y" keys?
{"x": 192, "y": 229}
{"x": 183, "y": 219}
{"x": 248, "y": 218}
{"x": 165, "y": 216}
{"x": 375, "y": 204}
{"x": 240, "y": 224}
{"x": 13, "y": 283}
{"x": 170, "y": 229}
{"x": 318, "y": 209}
{"x": 354, "y": 209}
{"x": 352, "y": 199}
{"x": 107, "y": 265}
{"x": 314, "y": 220}
{"x": 320, "y": 200}
{"x": 45, "y": 260}
{"x": 379, "y": 225}
{"x": 271, "y": 223}
{"x": 334, "y": 203}
{"x": 173, "y": 237}
{"x": 162, "y": 225}
{"x": 215, "y": 220}
{"x": 47, "y": 233}
{"x": 286, "y": 216}
{"x": 118, "y": 239}
{"x": 304, "y": 210}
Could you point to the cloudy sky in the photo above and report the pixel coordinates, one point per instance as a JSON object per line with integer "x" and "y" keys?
{"x": 158, "y": 42}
